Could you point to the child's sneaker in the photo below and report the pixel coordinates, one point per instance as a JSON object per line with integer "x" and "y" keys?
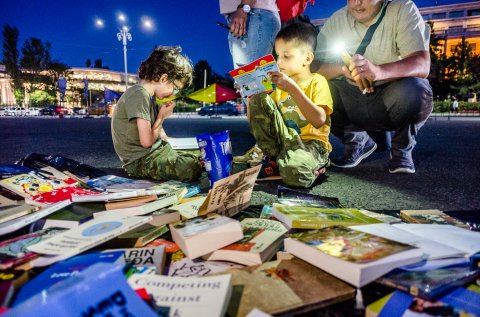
{"x": 252, "y": 156}
{"x": 269, "y": 168}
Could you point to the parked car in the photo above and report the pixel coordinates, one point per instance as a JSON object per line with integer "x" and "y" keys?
{"x": 53, "y": 110}
{"x": 222, "y": 108}
{"x": 79, "y": 110}
{"x": 2, "y": 111}
{"x": 32, "y": 111}
{"x": 15, "y": 112}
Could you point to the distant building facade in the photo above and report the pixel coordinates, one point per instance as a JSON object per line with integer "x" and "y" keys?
{"x": 450, "y": 23}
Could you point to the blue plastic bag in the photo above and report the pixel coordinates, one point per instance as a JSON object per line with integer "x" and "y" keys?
{"x": 216, "y": 151}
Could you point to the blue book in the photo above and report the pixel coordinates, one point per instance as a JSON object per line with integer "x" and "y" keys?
{"x": 100, "y": 290}
{"x": 65, "y": 269}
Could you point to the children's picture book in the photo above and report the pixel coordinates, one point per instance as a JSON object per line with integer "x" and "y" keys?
{"x": 253, "y": 78}
{"x": 100, "y": 290}
{"x": 13, "y": 252}
{"x": 87, "y": 235}
{"x": 261, "y": 240}
{"x": 23, "y": 221}
{"x": 430, "y": 284}
{"x": 291, "y": 197}
{"x": 304, "y": 217}
{"x": 63, "y": 270}
{"x": 201, "y": 235}
{"x": 355, "y": 257}
{"x": 431, "y": 216}
{"x": 187, "y": 297}
{"x": 60, "y": 194}
{"x": 232, "y": 194}
{"x": 183, "y": 143}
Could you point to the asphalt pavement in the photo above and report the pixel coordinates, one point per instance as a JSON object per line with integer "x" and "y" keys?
{"x": 446, "y": 158}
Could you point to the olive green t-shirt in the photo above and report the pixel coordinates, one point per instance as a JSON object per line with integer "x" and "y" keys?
{"x": 401, "y": 33}
{"x": 134, "y": 103}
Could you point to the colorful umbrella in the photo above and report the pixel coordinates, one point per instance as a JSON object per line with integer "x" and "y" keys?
{"x": 214, "y": 93}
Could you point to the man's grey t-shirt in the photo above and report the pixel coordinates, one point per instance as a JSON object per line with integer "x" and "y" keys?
{"x": 134, "y": 103}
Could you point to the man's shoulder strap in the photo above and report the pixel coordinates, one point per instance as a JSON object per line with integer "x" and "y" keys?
{"x": 371, "y": 30}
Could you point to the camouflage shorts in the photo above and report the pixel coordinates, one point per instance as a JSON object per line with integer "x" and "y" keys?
{"x": 297, "y": 159}
{"x": 164, "y": 163}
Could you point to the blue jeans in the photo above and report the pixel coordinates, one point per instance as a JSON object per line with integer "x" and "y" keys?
{"x": 262, "y": 27}
{"x": 402, "y": 106}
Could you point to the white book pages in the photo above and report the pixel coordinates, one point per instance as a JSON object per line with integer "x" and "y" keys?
{"x": 183, "y": 143}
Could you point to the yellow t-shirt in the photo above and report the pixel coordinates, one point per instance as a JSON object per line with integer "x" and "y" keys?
{"x": 319, "y": 93}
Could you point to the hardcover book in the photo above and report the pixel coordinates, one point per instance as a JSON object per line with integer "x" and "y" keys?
{"x": 355, "y": 257}
{"x": 261, "y": 240}
{"x": 87, "y": 235}
{"x": 65, "y": 269}
{"x": 431, "y": 284}
{"x": 201, "y": 235}
{"x": 14, "y": 251}
{"x": 431, "y": 216}
{"x": 187, "y": 297}
{"x": 304, "y": 217}
{"x": 100, "y": 290}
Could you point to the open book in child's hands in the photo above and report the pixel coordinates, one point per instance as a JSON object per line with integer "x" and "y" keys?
{"x": 253, "y": 78}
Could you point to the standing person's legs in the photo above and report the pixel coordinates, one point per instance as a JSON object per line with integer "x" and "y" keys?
{"x": 401, "y": 106}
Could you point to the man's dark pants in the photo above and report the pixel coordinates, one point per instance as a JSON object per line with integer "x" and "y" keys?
{"x": 401, "y": 106}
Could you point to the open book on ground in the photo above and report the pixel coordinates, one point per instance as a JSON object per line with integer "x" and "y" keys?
{"x": 253, "y": 78}
{"x": 262, "y": 239}
{"x": 355, "y": 257}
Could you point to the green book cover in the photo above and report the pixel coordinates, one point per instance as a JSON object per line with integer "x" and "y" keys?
{"x": 77, "y": 212}
{"x": 304, "y": 217}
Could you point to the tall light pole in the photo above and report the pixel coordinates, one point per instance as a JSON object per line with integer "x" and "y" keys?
{"x": 125, "y": 36}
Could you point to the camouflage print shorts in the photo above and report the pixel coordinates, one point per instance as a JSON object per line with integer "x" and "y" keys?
{"x": 164, "y": 163}
{"x": 297, "y": 159}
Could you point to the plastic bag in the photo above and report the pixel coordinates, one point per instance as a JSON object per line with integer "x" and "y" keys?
{"x": 216, "y": 151}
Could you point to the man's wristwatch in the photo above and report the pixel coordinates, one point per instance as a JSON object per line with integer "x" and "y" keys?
{"x": 245, "y": 7}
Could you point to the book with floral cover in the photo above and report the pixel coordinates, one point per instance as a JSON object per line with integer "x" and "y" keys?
{"x": 355, "y": 257}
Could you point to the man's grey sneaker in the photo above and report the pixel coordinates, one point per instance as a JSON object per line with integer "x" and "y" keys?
{"x": 401, "y": 166}
{"x": 353, "y": 157}
{"x": 253, "y": 156}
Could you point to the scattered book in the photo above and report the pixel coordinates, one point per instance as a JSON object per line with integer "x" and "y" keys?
{"x": 183, "y": 143}
{"x": 431, "y": 216}
{"x": 102, "y": 182}
{"x": 187, "y": 297}
{"x": 139, "y": 237}
{"x": 231, "y": 194}
{"x": 186, "y": 267}
{"x": 23, "y": 221}
{"x": 73, "y": 215}
{"x": 161, "y": 202}
{"x": 304, "y": 217}
{"x": 119, "y": 195}
{"x": 11, "y": 212}
{"x": 129, "y": 186}
{"x": 130, "y": 202}
{"x": 8, "y": 197}
{"x": 261, "y": 240}
{"x": 253, "y": 78}
{"x": 140, "y": 257}
{"x": 202, "y": 235}
{"x": 355, "y": 257}
{"x": 291, "y": 197}
{"x": 60, "y": 194}
{"x": 432, "y": 284}
{"x": 173, "y": 185}
{"x": 164, "y": 216}
{"x": 63, "y": 270}
{"x": 87, "y": 235}
{"x": 13, "y": 252}
{"x": 382, "y": 217}
{"x": 189, "y": 209}
{"x": 100, "y": 290}
{"x": 6, "y": 293}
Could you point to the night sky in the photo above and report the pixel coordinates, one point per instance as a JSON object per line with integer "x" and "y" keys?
{"x": 70, "y": 27}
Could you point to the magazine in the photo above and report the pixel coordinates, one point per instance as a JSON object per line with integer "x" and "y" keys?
{"x": 253, "y": 78}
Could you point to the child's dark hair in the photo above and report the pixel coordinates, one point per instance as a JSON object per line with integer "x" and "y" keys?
{"x": 169, "y": 61}
{"x": 302, "y": 33}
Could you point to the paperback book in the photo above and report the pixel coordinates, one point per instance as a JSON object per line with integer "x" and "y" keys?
{"x": 304, "y": 217}
{"x": 11, "y": 212}
{"x": 291, "y": 197}
{"x": 73, "y": 215}
{"x": 139, "y": 237}
{"x": 253, "y": 78}
{"x": 431, "y": 216}
{"x": 261, "y": 240}
{"x": 201, "y": 235}
{"x": 355, "y": 257}
{"x": 130, "y": 202}
{"x": 173, "y": 185}
{"x": 102, "y": 182}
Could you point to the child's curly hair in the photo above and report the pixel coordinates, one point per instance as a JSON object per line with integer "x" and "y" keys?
{"x": 169, "y": 61}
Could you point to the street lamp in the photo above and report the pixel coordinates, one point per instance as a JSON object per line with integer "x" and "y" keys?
{"x": 123, "y": 36}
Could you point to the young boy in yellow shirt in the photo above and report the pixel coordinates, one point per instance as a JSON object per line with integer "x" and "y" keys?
{"x": 291, "y": 126}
